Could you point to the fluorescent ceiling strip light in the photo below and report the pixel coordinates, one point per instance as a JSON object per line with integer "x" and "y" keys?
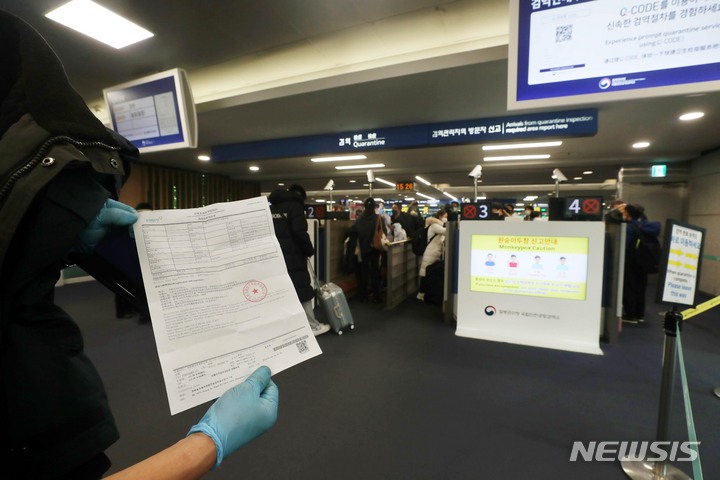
{"x": 516, "y": 157}
{"x": 342, "y": 158}
{"x": 510, "y": 146}
{"x": 448, "y": 195}
{"x": 384, "y": 181}
{"x": 422, "y": 179}
{"x": 426, "y": 196}
{"x": 98, "y": 22}
{"x": 360, "y": 167}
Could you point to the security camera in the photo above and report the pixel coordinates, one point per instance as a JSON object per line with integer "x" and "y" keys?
{"x": 476, "y": 172}
{"x": 329, "y": 185}
{"x": 559, "y": 175}
{"x": 370, "y": 176}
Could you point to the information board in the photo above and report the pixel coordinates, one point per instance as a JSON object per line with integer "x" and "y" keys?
{"x": 577, "y": 208}
{"x": 531, "y": 283}
{"x": 316, "y": 210}
{"x": 476, "y": 211}
{"x": 566, "y": 52}
{"x": 680, "y": 270}
{"x": 156, "y": 112}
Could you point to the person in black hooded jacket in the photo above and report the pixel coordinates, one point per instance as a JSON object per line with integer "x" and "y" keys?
{"x": 288, "y": 210}
{"x": 60, "y": 175}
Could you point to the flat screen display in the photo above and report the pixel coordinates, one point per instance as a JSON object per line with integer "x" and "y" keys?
{"x": 155, "y": 112}
{"x": 565, "y": 52}
{"x": 536, "y": 266}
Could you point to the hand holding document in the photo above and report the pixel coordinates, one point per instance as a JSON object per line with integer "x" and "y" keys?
{"x": 220, "y": 298}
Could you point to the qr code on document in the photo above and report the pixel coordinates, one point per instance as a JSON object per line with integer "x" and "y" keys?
{"x": 563, "y": 33}
{"x": 302, "y": 346}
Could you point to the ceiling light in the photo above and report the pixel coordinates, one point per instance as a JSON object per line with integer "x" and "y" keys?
{"x": 448, "y": 195}
{"x": 588, "y": 172}
{"x": 254, "y": 168}
{"x": 281, "y": 184}
{"x": 481, "y": 198}
{"x": 426, "y": 196}
{"x": 384, "y": 181}
{"x": 577, "y": 178}
{"x": 204, "y": 158}
{"x": 516, "y": 157}
{"x": 360, "y": 167}
{"x": 691, "y": 116}
{"x": 352, "y": 181}
{"x": 509, "y": 146}
{"x": 422, "y": 180}
{"x": 98, "y": 22}
{"x": 641, "y": 144}
{"x": 341, "y": 158}
{"x": 407, "y": 199}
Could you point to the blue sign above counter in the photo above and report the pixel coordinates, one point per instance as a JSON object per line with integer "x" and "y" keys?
{"x": 575, "y": 123}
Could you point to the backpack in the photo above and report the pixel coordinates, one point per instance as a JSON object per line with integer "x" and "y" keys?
{"x": 646, "y": 252}
{"x": 420, "y": 241}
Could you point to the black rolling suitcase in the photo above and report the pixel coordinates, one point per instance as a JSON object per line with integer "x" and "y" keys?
{"x": 435, "y": 282}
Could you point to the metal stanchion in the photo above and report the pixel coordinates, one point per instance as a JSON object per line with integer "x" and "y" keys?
{"x": 661, "y": 470}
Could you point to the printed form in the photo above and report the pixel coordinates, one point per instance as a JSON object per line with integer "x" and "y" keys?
{"x": 220, "y": 298}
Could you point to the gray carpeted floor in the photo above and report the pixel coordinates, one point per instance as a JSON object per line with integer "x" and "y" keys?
{"x": 402, "y": 397}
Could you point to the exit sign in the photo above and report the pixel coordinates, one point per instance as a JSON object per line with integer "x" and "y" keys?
{"x": 659, "y": 170}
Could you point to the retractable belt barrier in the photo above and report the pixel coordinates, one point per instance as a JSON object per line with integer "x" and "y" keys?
{"x": 703, "y": 307}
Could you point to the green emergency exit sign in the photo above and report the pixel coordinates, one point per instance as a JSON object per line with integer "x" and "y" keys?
{"x": 659, "y": 170}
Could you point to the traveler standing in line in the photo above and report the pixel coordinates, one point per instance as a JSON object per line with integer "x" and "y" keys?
{"x": 404, "y": 219}
{"x": 635, "y": 280}
{"x": 288, "y": 211}
{"x": 62, "y": 172}
{"x": 435, "y": 246}
{"x": 366, "y": 224}
{"x": 454, "y": 212}
{"x": 416, "y": 216}
{"x": 387, "y": 221}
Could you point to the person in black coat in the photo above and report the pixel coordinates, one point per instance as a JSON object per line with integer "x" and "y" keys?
{"x": 288, "y": 210}
{"x": 370, "y": 262}
{"x": 60, "y": 176}
{"x": 403, "y": 218}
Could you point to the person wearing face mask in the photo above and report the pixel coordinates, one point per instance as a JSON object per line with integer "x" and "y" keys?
{"x": 404, "y": 219}
{"x": 454, "y": 212}
{"x": 435, "y": 247}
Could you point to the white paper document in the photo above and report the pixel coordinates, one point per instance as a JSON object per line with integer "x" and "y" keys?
{"x": 220, "y": 298}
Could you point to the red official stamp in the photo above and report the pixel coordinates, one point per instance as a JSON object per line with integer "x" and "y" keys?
{"x": 255, "y": 291}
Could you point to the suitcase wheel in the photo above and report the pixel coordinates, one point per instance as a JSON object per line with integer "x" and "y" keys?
{"x": 339, "y": 332}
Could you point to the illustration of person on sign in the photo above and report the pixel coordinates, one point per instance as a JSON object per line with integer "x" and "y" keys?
{"x": 490, "y": 262}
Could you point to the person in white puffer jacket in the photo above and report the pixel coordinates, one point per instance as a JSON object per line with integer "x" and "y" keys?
{"x": 435, "y": 245}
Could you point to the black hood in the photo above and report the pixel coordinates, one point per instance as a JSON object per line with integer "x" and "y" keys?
{"x": 33, "y": 80}
{"x": 282, "y": 196}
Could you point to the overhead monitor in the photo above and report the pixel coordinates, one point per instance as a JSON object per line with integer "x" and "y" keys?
{"x": 155, "y": 112}
{"x": 569, "y": 52}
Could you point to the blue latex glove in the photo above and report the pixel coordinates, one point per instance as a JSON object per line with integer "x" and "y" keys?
{"x": 241, "y": 414}
{"x": 113, "y": 214}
